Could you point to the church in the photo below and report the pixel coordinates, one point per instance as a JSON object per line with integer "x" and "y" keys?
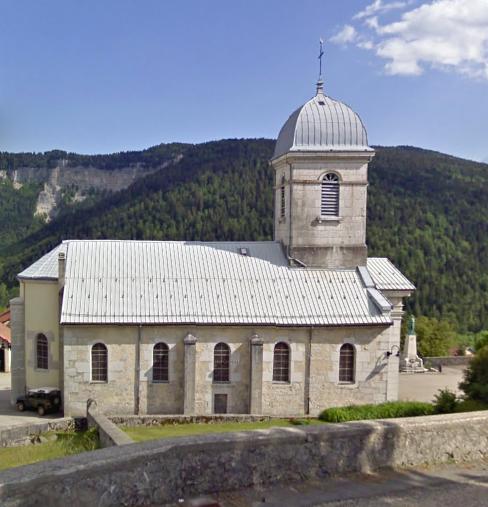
{"x": 286, "y": 327}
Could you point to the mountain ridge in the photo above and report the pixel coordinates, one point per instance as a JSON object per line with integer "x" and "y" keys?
{"x": 426, "y": 212}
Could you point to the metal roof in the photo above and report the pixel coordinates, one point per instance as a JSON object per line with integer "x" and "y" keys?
{"x": 322, "y": 124}
{"x": 46, "y": 268}
{"x": 386, "y": 276}
{"x": 144, "y": 282}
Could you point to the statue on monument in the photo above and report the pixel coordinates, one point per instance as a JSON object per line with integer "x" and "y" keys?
{"x": 410, "y": 361}
{"x": 411, "y": 326}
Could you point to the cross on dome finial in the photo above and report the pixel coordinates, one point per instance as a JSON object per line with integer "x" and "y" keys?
{"x": 320, "y": 83}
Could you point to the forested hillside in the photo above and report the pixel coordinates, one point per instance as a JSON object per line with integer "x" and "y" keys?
{"x": 427, "y": 212}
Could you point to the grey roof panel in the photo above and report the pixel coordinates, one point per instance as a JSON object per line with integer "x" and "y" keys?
{"x": 46, "y": 268}
{"x": 386, "y": 276}
{"x": 203, "y": 283}
{"x": 322, "y": 124}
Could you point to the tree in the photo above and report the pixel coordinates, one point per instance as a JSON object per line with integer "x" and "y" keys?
{"x": 4, "y": 296}
{"x": 480, "y": 340}
{"x": 434, "y": 337}
{"x": 475, "y": 383}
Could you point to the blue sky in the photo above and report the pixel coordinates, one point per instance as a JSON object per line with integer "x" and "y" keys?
{"x": 102, "y": 76}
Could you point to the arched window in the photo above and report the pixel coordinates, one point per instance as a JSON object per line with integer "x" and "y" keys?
{"x": 281, "y": 363}
{"x": 99, "y": 362}
{"x": 160, "y": 363}
{"x": 346, "y": 363}
{"x": 42, "y": 351}
{"x": 221, "y": 371}
{"x": 282, "y": 198}
{"x": 329, "y": 204}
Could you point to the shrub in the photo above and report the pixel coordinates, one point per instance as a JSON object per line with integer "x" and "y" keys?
{"x": 471, "y": 406}
{"x": 445, "y": 402}
{"x": 475, "y": 383}
{"x": 480, "y": 340}
{"x": 382, "y": 411}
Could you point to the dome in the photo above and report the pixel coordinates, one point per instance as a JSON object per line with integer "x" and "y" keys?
{"x": 322, "y": 124}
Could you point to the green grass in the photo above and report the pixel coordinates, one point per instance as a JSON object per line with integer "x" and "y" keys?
{"x": 66, "y": 444}
{"x": 141, "y": 433}
{"x": 380, "y": 411}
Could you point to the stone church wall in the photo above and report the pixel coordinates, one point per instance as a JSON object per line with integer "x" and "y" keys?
{"x": 374, "y": 371}
{"x": 371, "y": 368}
{"x": 162, "y": 397}
{"x": 329, "y": 242}
{"x": 114, "y": 396}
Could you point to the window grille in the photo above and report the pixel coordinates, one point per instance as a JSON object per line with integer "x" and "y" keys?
{"x": 346, "y": 363}
{"x": 329, "y": 205}
{"x": 160, "y": 363}
{"x": 99, "y": 362}
{"x": 42, "y": 352}
{"x": 221, "y": 371}
{"x": 281, "y": 363}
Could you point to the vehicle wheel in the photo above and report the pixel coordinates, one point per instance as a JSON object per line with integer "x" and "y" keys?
{"x": 41, "y": 410}
{"x": 20, "y": 406}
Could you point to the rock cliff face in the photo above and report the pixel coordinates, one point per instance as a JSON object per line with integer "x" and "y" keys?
{"x": 80, "y": 180}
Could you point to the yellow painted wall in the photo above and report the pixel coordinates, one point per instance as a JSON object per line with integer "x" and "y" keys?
{"x": 41, "y": 316}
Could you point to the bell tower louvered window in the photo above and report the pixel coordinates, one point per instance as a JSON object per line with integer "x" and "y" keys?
{"x": 329, "y": 204}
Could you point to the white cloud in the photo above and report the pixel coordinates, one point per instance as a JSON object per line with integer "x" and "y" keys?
{"x": 345, "y": 36}
{"x": 379, "y": 6}
{"x": 451, "y": 35}
{"x": 372, "y": 23}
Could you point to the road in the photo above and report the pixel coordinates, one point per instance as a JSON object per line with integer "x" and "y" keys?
{"x": 423, "y": 386}
{"x": 447, "y": 486}
{"x": 9, "y": 417}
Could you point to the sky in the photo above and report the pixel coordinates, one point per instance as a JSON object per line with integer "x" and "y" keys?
{"x": 102, "y": 76}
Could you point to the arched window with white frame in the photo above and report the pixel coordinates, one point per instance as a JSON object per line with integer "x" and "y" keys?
{"x": 42, "y": 352}
{"x": 99, "y": 363}
{"x": 347, "y": 362}
{"x": 329, "y": 202}
{"x": 281, "y": 362}
{"x": 221, "y": 372}
{"x": 160, "y": 362}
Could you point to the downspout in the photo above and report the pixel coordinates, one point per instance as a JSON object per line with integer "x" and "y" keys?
{"x": 137, "y": 370}
{"x": 308, "y": 361}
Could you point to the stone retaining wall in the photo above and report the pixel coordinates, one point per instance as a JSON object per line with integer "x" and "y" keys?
{"x": 161, "y": 420}
{"x": 155, "y": 472}
{"x": 448, "y": 360}
{"x": 23, "y": 434}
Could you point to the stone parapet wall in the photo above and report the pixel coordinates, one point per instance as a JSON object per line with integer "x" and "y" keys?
{"x": 108, "y": 433}
{"x": 22, "y": 434}
{"x": 155, "y": 472}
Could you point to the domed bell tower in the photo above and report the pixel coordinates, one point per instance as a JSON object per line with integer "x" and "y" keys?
{"x": 321, "y": 178}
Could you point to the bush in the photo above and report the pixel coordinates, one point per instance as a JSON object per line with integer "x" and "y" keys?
{"x": 382, "y": 411}
{"x": 471, "y": 406}
{"x": 445, "y": 402}
{"x": 480, "y": 340}
{"x": 475, "y": 383}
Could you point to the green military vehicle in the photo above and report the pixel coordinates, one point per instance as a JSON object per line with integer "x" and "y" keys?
{"x": 42, "y": 400}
